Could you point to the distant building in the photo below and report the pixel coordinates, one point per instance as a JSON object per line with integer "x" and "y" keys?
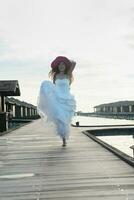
{"x": 120, "y": 107}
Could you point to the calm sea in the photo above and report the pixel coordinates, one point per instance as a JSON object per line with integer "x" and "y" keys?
{"x": 122, "y": 143}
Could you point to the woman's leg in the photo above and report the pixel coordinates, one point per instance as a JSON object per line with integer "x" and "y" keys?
{"x": 64, "y": 142}
{"x": 62, "y": 131}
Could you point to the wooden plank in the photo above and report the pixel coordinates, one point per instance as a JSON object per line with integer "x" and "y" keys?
{"x": 34, "y": 165}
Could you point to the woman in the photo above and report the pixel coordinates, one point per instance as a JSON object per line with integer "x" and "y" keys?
{"x": 55, "y": 100}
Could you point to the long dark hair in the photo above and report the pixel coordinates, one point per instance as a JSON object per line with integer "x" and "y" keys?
{"x": 52, "y": 74}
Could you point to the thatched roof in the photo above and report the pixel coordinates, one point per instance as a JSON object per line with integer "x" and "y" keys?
{"x": 9, "y": 88}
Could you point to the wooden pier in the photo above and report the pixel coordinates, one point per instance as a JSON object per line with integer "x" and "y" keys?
{"x": 34, "y": 166}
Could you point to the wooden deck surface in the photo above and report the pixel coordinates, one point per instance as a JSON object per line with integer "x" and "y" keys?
{"x": 34, "y": 166}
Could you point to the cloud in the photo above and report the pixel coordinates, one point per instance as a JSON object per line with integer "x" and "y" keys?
{"x": 92, "y": 33}
{"x": 4, "y": 47}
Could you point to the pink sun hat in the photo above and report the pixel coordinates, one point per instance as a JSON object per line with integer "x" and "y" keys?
{"x": 60, "y": 59}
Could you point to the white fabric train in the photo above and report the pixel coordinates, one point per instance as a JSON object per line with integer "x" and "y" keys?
{"x": 57, "y": 104}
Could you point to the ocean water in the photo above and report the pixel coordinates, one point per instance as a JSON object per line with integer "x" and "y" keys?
{"x": 84, "y": 120}
{"x": 121, "y": 142}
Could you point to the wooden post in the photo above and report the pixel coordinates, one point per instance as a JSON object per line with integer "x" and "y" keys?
{"x": 2, "y": 103}
{"x": 132, "y": 147}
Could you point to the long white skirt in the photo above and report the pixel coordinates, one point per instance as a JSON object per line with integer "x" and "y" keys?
{"x": 56, "y": 106}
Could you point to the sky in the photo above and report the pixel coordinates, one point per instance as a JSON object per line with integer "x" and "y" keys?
{"x": 97, "y": 34}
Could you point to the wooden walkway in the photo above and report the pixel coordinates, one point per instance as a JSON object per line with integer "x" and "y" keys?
{"x": 34, "y": 166}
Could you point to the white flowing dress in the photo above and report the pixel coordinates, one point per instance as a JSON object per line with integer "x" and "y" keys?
{"x": 57, "y": 105}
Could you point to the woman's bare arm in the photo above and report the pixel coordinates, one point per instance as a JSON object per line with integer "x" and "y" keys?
{"x": 73, "y": 63}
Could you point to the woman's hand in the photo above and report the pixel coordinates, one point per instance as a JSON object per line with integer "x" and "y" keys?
{"x": 73, "y": 63}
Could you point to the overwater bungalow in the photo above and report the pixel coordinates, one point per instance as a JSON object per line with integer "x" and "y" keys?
{"x": 8, "y": 88}
{"x": 13, "y": 107}
{"x": 21, "y": 109}
{"x": 123, "y": 109}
